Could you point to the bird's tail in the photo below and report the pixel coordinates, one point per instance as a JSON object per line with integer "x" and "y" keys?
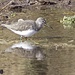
{"x": 4, "y": 25}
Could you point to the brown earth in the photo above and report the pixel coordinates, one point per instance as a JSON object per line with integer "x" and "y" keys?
{"x": 67, "y": 4}
{"x": 7, "y": 7}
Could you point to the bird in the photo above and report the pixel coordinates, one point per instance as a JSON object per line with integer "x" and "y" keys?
{"x": 26, "y": 28}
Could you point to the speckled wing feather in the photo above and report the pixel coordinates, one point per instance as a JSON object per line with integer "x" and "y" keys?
{"x": 25, "y": 25}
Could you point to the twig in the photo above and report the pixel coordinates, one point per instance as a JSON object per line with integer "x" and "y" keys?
{"x": 6, "y": 5}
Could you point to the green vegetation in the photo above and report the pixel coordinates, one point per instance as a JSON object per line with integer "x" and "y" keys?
{"x": 68, "y": 22}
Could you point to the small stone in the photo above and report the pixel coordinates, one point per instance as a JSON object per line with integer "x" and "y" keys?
{"x": 1, "y": 71}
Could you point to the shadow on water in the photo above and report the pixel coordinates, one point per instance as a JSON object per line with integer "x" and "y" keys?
{"x": 24, "y": 58}
{"x": 27, "y": 58}
{"x": 27, "y": 49}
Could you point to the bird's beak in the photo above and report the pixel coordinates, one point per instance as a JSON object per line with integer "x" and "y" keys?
{"x": 48, "y": 26}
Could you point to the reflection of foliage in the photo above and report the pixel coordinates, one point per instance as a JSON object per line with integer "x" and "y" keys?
{"x": 68, "y": 22}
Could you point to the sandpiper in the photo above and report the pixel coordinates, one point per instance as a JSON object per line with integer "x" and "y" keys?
{"x": 26, "y": 28}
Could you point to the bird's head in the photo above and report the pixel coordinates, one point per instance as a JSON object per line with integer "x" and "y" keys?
{"x": 40, "y": 21}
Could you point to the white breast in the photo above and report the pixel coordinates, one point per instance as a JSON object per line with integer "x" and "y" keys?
{"x": 25, "y": 33}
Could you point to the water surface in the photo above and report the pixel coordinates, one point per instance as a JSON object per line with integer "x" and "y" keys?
{"x": 53, "y": 52}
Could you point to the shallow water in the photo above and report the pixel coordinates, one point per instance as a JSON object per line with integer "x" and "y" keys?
{"x": 49, "y": 52}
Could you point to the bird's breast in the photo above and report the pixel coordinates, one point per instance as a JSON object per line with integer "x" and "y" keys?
{"x": 26, "y": 33}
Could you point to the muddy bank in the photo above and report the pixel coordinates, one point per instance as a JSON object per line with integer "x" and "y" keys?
{"x": 37, "y": 4}
{"x": 7, "y": 7}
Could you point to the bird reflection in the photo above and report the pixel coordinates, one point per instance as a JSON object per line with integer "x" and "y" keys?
{"x": 27, "y": 49}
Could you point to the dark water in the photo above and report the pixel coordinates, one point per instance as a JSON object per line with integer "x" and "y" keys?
{"x": 49, "y": 52}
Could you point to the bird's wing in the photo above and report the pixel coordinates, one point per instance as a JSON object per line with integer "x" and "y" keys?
{"x": 25, "y": 25}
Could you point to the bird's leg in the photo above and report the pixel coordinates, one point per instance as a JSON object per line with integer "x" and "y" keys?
{"x": 21, "y": 38}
